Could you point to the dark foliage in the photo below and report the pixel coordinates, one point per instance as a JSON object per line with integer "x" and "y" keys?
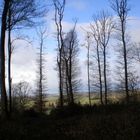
{"x": 116, "y": 121}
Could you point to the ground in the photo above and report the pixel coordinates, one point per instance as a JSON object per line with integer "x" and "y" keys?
{"x": 111, "y": 122}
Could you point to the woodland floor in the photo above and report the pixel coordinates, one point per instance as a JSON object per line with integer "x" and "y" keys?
{"x": 112, "y": 122}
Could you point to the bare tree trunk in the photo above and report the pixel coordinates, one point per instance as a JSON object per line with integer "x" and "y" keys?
{"x": 70, "y": 78}
{"x": 9, "y": 70}
{"x": 105, "y": 79}
{"x": 60, "y": 82}
{"x": 59, "y": 63}
{"x": 40, "y": 80}
{"x": 121, "y": 8}
{"x": 66, "y": 69}
{"x": 9, "y": 60}
{"x": 72, "y": 43}
{"x": 41, "y": 87}
{"x": 102, "y": 31}
{"x": 60, "y": 70}
{"x": 96, "y": 38}
{"x": 125, "y": 62}
{"x": 67, "y": 84}
{"x": 88, "y": 70}
{"x": 100, "y": 75}
{"x": 2, "y": 60}
{"x": 59, "y": 11}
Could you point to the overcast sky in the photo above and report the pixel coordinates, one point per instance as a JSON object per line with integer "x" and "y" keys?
{"x": 24, "y": 56}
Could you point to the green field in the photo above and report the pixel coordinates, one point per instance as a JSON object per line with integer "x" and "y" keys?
{"x": 83, "y": 99}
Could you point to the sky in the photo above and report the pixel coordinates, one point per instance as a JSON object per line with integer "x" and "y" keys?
{"x": 24, "y": 56}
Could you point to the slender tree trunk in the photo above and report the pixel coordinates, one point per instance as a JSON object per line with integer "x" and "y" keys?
{"x": 100, "y": 75}
{"x": 105, "y": 79}
{"x": 67, "y": 90}
{"x": 59, "y": 11}
{"x": 61, "y": 77}
{"x": 60, "y": 80}
{"x": 67, "y": 81}
{"x": 2, "y": 60}
{"x": 9, "y": 61}
{"x": 70, "y": 78}
{"x": 88, "y": 73}
{"x": 125, "y": 61}
{"x": 9, "y": 70}
{"x": 40, "y": 81}
{"x": 122, "y": 9}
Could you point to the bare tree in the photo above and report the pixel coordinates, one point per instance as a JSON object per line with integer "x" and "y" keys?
{"x": 132, "y": 73}
{"x": 41, "y": 78}
{"x": 136, "y": 52}
{"x": 9, "y": 58}
{"x": 121, "y": 8}
{"x": 2, "y": 58}
{"x": 95, "y": 34}
{"x": 59, "y": 12}
{"x": 20, "y": 14}
{"x": 70, "y": 54}
{"x": 88, "y": 46}
{"x": 134, "y": 82}
{"x": 21, "y": 93}
{"x": 107, "y": 26}
{"x": 102, "y": 31}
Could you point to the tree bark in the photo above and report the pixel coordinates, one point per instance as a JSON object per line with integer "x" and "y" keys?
{"x": 125, "y": 60}
{"x": 88, "y": 72}
{"x": 2, "y": 60}
{"x": 70, "y": 76}
{"x": 60, "y": 81}
{"x": 100, "y": 75}
{"x": 9, "y": 61}
{"x": 105, "y": 79}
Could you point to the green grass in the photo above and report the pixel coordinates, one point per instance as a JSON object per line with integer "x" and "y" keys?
{"x": 83, "y": 99}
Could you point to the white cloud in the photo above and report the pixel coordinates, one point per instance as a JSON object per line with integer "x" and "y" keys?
{"x": 77, "y": 4}
{"x": 24, "y": 66}
{"x": 134, "y": 28}
{"x": 52, "y": 80}
{"x": 23, "y": 63}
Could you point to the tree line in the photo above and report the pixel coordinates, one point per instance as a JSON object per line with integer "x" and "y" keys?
{"x": 17, "y": 14}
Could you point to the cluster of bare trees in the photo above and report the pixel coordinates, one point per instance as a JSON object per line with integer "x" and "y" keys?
{"x": 101, "y": 31}
{"x": 98, "y": 38}
{"x": 59, "y": 11}
{"x": 20, "y": 13}
{"x": 67, "y": 52}
{"x": 70, "y": 65}
{"x": 15, "y": 15}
